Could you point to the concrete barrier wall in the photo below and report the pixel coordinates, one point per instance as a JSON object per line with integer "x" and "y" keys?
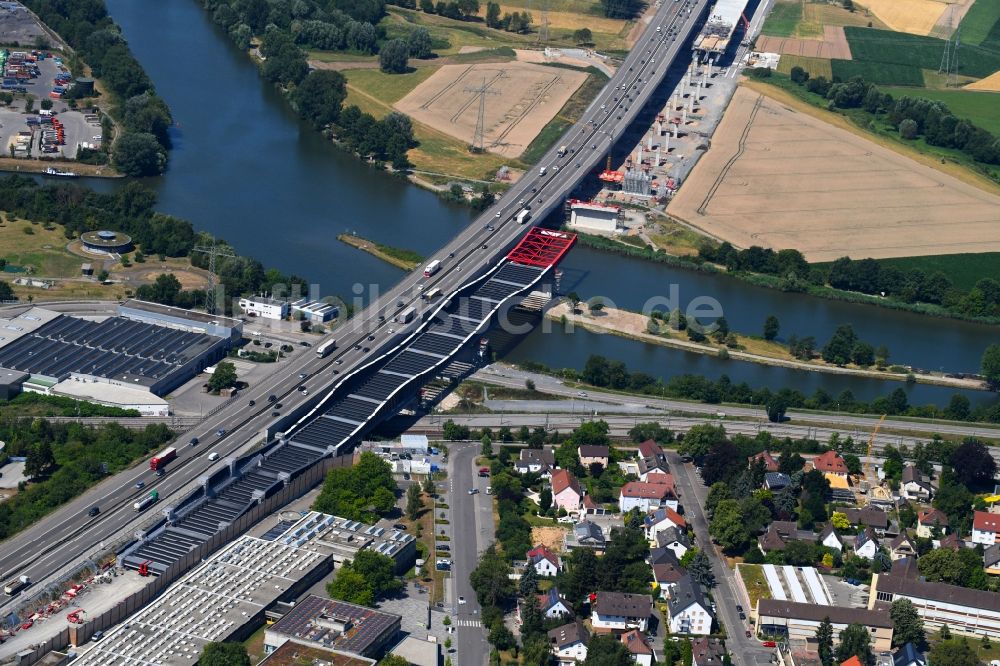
{"x": 79, "y": 634}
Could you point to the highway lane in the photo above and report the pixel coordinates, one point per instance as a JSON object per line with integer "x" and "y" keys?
{"x": 68, "y": 534}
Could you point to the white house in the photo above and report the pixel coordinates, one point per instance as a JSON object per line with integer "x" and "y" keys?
{"x": 913, "y": 486}
{"x": 566, "y": 493}
{"x": 663, "y": 519}
{"x": 638, "y": 648}
{"x": 569, "y": 643}
{"x": 553, "y": 605}
{"x": 675, "y": 539}
{"x": 829, "y": 538}
{"x": 544, "y": 561}
{"x": 652, "y": 459}
{"x": 647, "y": 496}
{"x": 617, "y": 612}
{"x": 688, "y": 610}
{"x": 985, "y": 527}
{"x": 265, "y": 308}
{"x": 866, "y": 545}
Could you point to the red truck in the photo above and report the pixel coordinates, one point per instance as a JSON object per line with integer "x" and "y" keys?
{"x": 160, "y": 460}
{"x": 484, "y": 471}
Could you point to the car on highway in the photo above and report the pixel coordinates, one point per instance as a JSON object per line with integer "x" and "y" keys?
{"x": 194, "y": 441}
{"x": 302, "y": 375}
{"x": 371, "y": 337}
{"x": 272, "y": 398}
{"x": 94, "y": 510}
{"x": 365, "y": 349}
{"x": 339, "y": 361}
{"x": 498, "y": 215}
{"x": 140, "y": 484}
{"x": 305, "y": 344}
{"x": 743, "y": 616}
{"x": 357, "y": 347}
{"x": 275, "y": 414}
{"x": 220, "y": 432}
{"x": 739, "y": 608}
{"x": 277, "y": 405}
{"x": 213, "y": 456}
{"x": 769, "y": 644}
{"x": 251, "y": 403}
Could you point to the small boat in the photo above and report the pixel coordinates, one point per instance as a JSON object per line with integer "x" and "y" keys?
{"x": 62, "y": 174}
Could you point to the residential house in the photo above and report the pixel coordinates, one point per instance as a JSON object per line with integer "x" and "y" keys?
{"x": 592, "y": 508}
{"x": 585, "y": 534}
{"x": 799, "y": 621}
{"x": 902, "y": 546}
{"x": 651, "y": 459}
{"x": 663, "y": 519}
{"x": 569, "y": 643}
{"x": 829, "y": 538}
{"x": 775, "y": 481}
{"x": 852, "y": 661}
{"x": 544, "y": 561}
{"x": 909, "y": 655}
{"x": 770, "y": 464}
{"x": 638, "y": 648}
{"x": 687, "y": 609}
{"x": 831, "y": 463}
{"x": 991, "y": 559}
{"x": 566, "y": 493}
{"x": 666, "y": 576}
{"x": 951, "y": 542}
{"x": 868, "y": 517}
{"x": 966, "y": 611}
{"x": 707, "y": 651}
{"x": 771, "y": 540}
{"x": 618, "y": 612}
{"x": 662, "y": 555}
{"x": 647, "y": 496}
{"x": 866, "y": 545}
{"x": 928, "y": 519}
{"x": 985, "y": 526}
{"x": 675, "y": 539}
{"x": 913, "y": 485}
{"x": 592, "y": 453}
{"x": 553, "y": 605}
{"x": 540, "y": 461}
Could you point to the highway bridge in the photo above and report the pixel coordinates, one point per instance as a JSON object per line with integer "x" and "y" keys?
{"x": 377, "y": 362}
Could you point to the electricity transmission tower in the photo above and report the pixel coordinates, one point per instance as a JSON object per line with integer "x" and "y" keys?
{"x": 543, "y": 30}
{"x": 477, "y": 138}
{"x": 212, "y": 251}
{"x": 949, "y": 59}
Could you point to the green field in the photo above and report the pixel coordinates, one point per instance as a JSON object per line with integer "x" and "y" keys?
{"x": 783, "y": 19}
{"x": 983, "y": 17}
{"x": 388, "y": 88}
{"x": 883, "y": 73}
{"x": 815, "y": 66}
{"x": 963, "y": 269}
{"x": 982, "y": 108}
{"x": 883, "y": 46}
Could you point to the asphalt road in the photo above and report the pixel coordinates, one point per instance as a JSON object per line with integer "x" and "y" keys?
{"x": 745, "y": 651}
{"x": 67, "y": 535}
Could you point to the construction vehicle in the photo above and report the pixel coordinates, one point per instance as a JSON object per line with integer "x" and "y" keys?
{"x": 874, "y": 487}
{"x": 144, "y": 568}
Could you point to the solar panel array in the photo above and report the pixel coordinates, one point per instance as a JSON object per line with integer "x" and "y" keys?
{"x": 115, "y": 348}
{"x": 351, "y": 413}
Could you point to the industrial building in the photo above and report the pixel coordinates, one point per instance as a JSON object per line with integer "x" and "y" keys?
{"x": 593, "y": 216}
{"x": 316, "y": 312}
{"x": 345, "y": 538}
{"x": 799, "y": 621}
{"x": 118, "y": 353}
{"x": 296, "y": 654}
{"x": 344, "y": 627}
{"x": 965, "y": 610}
{"x": 186, "y": 320}
{"x": 106, "y": 242}
{"x": 264, "y": 307}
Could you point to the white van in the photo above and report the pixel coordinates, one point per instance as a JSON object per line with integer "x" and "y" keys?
{"x": 213, "y": 456}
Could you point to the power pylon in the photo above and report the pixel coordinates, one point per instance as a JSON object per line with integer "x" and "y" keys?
{"x": 477, "y": 138}
{"x": 949, "y": 59}
{"x": 543, "y": 31}
{"x": 212, "y": 251}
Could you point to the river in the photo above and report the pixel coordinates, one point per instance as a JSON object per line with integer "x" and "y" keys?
{"x": 245, "y": 168}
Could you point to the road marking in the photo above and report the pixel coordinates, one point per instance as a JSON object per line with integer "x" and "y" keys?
{"x": 469, "y": 623}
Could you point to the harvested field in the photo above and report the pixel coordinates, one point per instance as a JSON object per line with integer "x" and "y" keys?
{"x": 990, "y": 84}
{"x": 783, "y": 179}
{"x": 815, "y": 66}
{"x": 917, "y": 17}
{"x": 833, "y": 45}
{"x": 521, "y": 99}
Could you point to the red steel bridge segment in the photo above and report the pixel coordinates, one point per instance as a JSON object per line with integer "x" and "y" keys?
{"x": 542, "y": 247}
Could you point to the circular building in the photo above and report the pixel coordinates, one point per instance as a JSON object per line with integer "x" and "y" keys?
{"x": 106, "y": 242}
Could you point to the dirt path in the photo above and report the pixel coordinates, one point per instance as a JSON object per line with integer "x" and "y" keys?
{"x": 633, "y": 325}
{"x": 37, "y": 166}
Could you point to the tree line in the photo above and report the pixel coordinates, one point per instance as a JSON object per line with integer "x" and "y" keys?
{"x": 912, "y": 117}
{"x": 141, "y": 149}
{"x": 601, "y": 372}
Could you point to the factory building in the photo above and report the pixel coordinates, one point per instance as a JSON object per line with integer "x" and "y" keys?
{"x": 592, "y": 216}
{"x": 316, "y": 312}
{"x": 185, "y": 320}
{"x": 264, "y": 307}
{"x": 338, "y": 625}
{"x": 345, "y": 538}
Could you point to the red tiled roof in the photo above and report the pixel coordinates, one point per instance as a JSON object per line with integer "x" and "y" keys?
{"x": 650, "y": 449}
{"x": 853, "y": 661}
{"x": 932, "y": 516}
{"x": 984, "y": 521}
{"x": 542, "y": 551}
{"x": 635, "y": 643}
{"x": 662, "y": 478}
{"x": 770, "y": 464}
{"x": 657, "y": 491}
{"x": 562, "y": 479}
{"x": 830, "y": 462}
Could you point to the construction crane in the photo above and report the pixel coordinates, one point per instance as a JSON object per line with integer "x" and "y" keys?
{"x": 869, "y": 468}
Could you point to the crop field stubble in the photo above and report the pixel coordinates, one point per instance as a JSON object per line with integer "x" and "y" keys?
{"x": 779, "y": 178}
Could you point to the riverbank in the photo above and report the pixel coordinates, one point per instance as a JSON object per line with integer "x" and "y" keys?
{"x": 14, "y": 165}
{"x": 634, "y": 326}
{"x": 405, "y": 259}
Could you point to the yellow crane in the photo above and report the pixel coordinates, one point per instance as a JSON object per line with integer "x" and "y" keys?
{"x": 870, "y": 474}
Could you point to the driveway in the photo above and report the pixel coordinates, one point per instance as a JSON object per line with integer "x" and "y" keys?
{"x": 745, "y": 651}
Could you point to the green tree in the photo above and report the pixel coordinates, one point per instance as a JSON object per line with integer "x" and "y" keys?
{"x": 776, "y": 408}
{"x": 699, "y": 439}
{"x": 320, "y": 97}
{"x": 824, "y": 639}
{"x": 990, "y": 366}
{"x": 583, "y": 36}
{"x": 491, "y": 580}
{"x": 379, "y": 572}
{"x": 363, "y": 492}
{"x": 492, "y": 15}
{"x": 41, "y": 461}
{"x": 953, "y": 652}
{"x": 855, "y": 641}
{"x": 907, "y": 625}
{"x": 413, "y": 501}
{"x": 700, "y": 568}
{"x": 528, "y": 583}
{"x": 840, "y": 346}
{"x": 349, "y": 585}
{"x": 224, "y": 376}
{"x": 427, "y": 6}
{"x": 139, "y": 154}
{"x": 771, "y": 327}
{"x": 394, "y": 660}
{"x": 393, "y": 56}
{"x": 419, "y": 41}
{"x": 224, "y": 654}
{"x": 486, "y": 446}
{"x": 973, "y": 465}
{"x": 545, "y": 499}
{"x": 863, "y": 354}
{"x": 606, "y": 651}
{"x": 429, "y": 486}
{"x": 716, "y": 493}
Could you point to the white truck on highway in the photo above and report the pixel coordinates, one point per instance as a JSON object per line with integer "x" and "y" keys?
{"x": 523, "y": 216}
{"x": 562, "y": 151}
{"x": 326, "y": 348}
{"x": 16, "y": 585}
{"x": 541, "y": 172}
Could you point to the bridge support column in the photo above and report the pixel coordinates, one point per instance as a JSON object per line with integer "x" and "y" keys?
{"x": 206, "y": 487}
{"x": 676, "y": 130}
{"x": 649, "y": 143}
{"x": 666, "y": 144}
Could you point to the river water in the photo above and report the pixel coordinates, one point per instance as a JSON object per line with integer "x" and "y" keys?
{"x": 245, "y": 168}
